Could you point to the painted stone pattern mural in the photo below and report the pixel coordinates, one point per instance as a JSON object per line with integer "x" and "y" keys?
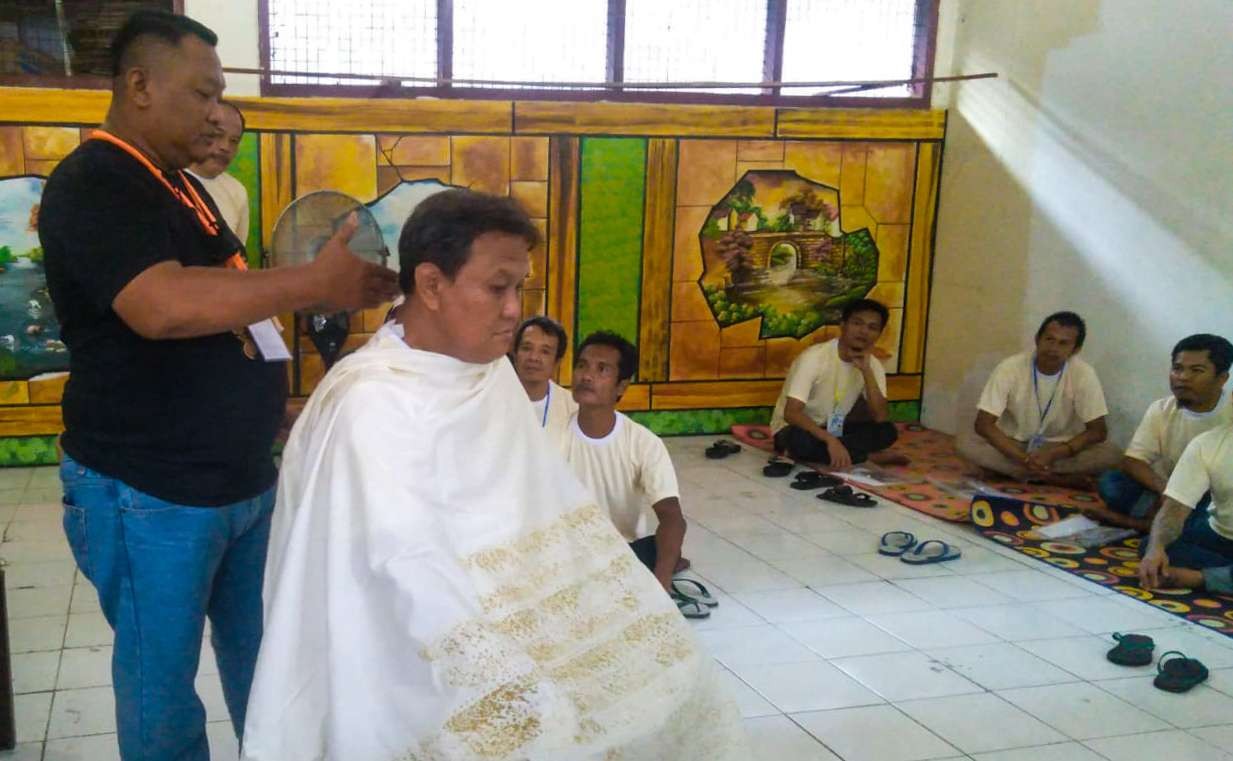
{"x": 721, "y": 242}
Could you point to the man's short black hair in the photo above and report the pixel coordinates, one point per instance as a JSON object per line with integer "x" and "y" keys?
{"x": 549, "y": 326}
{"x": 1218, "y": 349}
{"x": 1065, "y": 320}
{"x": 443, "y": 226}
{"x": 163, "y": 25}
{"x": 629, "y": 354}
{"x": 865, "y": 305}
{"x": 238, "y": 112}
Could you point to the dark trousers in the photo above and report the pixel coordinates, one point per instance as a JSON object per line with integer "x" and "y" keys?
{"x": 646, "y": 551}
{"x": 859, "y": 437}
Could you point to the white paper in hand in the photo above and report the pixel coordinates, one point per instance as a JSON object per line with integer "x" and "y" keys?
{"x": 269, "y": 342}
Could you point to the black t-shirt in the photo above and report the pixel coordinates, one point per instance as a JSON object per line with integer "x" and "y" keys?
{"x": 189, "y": 421}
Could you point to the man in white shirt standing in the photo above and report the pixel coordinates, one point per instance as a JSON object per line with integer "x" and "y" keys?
{"x": 228, "y": 193}
{"x": 1042, "y": 414}
{"x": 1198, "y": 404}
{"x": 625, "y": 465}
{"x": 1190, "y": 548}
{"x": 833, "y": 407}
{"x": 539, "y": 345}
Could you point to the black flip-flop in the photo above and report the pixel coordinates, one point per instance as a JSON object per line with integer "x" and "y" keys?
{"x": 721, "y": 449}
{"x": 1179, "y": 674}
{"x": 777, "y": 468}
{"x": 1132, "y": 650}
{"x": 845, "y": 496}
{"x": 812, "y": 479}
{"x": 683, "y": 586}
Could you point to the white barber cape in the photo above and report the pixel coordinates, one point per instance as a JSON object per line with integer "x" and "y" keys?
{"x": 439, "y": 586}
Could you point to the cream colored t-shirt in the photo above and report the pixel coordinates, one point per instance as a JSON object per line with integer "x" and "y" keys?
{"x": 628, "y": 470}
{"x": 824, "y": 382}
{"x": 231, "y": 199}
{"x": 1166, "y": 429}
{"x": 1010, "y": 396}
{"x": 1207, "y": 465}
{"x": 554, "y": 410}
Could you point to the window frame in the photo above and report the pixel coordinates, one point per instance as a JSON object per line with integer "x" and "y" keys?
{"x": 75, "y": 82}
{"x": 924, "y": 49}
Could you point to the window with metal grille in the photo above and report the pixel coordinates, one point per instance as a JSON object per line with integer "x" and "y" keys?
{"x": 536, "y": 41}
{"x": 63, "y": 42}
{"x": 637, "y": 50}
{"x": 388, "y": 38}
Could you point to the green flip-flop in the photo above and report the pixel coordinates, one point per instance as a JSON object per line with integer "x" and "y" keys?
{"x": 1131, "y": 650}
{"x": 1178, "y": 674}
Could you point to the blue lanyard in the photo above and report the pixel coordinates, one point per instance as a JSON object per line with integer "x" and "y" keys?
{"x": 547, "y": 403}
{"x": 1036, "y": 387}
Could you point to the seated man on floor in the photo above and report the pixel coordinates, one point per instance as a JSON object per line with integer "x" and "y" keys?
{"x": 1041, "y": 417}
{"x": 439, "y": 584}
{"x": 539, "y": 345}
{"x": 1198, "y": 404}
{"x": 624, "y": 464}
{"x": 833, "y": 407}
{"x": 1192, "y": 547}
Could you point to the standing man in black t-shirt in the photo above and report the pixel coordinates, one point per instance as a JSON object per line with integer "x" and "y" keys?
{"x": 170, "y": 412}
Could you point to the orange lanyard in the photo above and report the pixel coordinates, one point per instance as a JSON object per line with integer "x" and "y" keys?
{"x": 191, "y": 199}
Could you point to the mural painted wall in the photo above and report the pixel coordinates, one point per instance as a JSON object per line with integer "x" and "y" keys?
{"x": 721, "y": 241}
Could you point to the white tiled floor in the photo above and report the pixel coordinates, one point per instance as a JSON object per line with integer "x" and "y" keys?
{"x": 831, "y": 650}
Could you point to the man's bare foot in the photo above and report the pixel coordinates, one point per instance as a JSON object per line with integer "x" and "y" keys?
{"x": 682, "y": 565}
{"x": 889, "y": 457}
{"x": 1076, "y": 482}
{"x": 1184, "y": 578}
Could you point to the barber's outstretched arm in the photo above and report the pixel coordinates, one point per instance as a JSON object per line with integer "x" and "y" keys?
{"x": 669, "y": 539}
{"x": 169, "y": 300}
{"x": 1166, "y": 528}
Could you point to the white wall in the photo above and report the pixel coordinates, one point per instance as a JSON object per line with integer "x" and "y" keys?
{"x": 1096, "y": 174}
{"x": 235, "y": 23}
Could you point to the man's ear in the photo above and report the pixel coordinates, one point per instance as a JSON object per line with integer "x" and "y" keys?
{"x": 429, "y": 282}
{"x": 137, "y": 85}
{"x": 622, "y": 387}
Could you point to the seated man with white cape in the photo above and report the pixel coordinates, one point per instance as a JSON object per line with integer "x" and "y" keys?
{"x": 439, "y": 585}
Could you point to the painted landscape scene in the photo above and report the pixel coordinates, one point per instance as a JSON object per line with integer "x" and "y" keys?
{"x": 773, "y": 248}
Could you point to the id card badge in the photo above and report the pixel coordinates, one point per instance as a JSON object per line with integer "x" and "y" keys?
{"x": 834, "y": 424}
{"x": 269, "y": 342}
{"x": 1036, "y": 442}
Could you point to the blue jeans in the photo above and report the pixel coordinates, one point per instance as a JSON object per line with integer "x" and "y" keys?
{"x": 160, "y": 569}
{"x": 1123, "y": 494}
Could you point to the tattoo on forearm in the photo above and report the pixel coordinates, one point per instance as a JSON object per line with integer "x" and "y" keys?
{"x": 1168, "y": 525}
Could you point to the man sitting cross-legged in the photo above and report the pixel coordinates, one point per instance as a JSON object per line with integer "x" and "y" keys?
{"x": 1197, "y": 376}
{"x": 439, "y": 584}
{"x": 539, "y": 345}
{"x": 625, "y": 465}
{"x": 1189, "y": 546}
{"x": 1042, "y": 414}
{"x": 833, "y": 407}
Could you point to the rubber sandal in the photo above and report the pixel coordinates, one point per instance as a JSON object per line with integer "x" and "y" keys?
{"x": 1131, "y": 650}
{"x": 895, "y": 543}
{"x": 919, "y": 555}
{"x": 812, "y": 479}
{"x": 777, "y": 468}
{"x": 691, "y": 608}
{"x": 845, "y": 496}
{"x": 694, "y": 590}
{"x": 721, "y": 449}
{"x": 1179, "y": 674}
